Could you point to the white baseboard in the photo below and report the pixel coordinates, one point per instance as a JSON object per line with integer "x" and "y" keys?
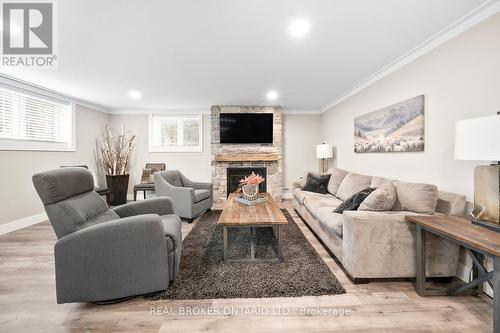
{"x": 287, "y": 195}
{"x": 22, "y": 223}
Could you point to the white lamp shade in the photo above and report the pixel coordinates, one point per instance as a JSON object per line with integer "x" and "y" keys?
{"x": 478, "y": 139}
{"x": 324, "y": 151}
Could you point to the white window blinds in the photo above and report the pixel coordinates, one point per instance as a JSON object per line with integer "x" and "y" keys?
{"x": 32, "y": 119}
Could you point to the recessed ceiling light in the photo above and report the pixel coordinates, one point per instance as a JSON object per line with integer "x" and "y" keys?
{"x": 299, "y": 28}
{"x": 272, "y": 95}
{"x": 134, "y": 94}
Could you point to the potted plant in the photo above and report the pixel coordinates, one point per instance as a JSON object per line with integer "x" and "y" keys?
{"x": 115, "y": 153}
{"x": 250, "y": 186}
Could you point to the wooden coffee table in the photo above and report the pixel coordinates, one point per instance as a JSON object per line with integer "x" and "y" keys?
{"x": 265, "y": 214}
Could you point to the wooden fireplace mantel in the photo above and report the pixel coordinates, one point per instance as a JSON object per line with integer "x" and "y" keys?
{"x": 246, "y": 157}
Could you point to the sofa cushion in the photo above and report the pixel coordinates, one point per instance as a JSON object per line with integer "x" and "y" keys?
{"x": 313, "y": 203}
{"x": 353, "y": 202}
{"x": 379, "y": 181}
{"x": 200, "y": 195}
{"x": 382, "y": 199}
{"x": 301, "y": 196}
{"x": 316, "y": 183}
{"x": 415, "y": 197}
{"x": 330, "y": 222}
{"x": 352, "y": 184}
{"x": 335, "y": 180}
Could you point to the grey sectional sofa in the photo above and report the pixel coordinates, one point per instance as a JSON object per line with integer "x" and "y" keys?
{"x": 379, "y": 244}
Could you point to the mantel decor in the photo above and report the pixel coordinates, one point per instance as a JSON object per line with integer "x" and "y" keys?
{"x": 115, "y": 152}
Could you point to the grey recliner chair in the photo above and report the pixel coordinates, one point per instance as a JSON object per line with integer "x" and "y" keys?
{"x": 107, "y": 254}
{"x": 189, "y": 198}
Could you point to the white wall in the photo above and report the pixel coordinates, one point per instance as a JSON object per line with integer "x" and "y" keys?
{"x": 301, "y": 135}
{"x": 460, "y": 79}
{"x": 18, "y": 198}
{"x": 195, "y": 166}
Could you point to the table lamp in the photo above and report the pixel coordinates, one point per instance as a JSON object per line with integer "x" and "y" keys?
{"x": 324, "y": 151}
{"x": 478, "y": 139}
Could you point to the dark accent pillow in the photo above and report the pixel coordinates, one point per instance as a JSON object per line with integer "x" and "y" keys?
{"x": 353, "y": 202}
{"x": 316, "y": 183}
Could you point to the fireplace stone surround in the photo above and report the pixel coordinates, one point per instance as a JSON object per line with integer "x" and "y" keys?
{"x": 274, "y": 168}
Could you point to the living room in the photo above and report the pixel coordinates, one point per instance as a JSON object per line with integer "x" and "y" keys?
{"x": 253, "y": 166}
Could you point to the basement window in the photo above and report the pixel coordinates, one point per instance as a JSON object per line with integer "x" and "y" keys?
{"x": 175, "y": 133}
{"x": 29, "y": 121}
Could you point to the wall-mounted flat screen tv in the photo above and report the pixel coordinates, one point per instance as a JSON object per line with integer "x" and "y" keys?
{"x": 246, "y": 128}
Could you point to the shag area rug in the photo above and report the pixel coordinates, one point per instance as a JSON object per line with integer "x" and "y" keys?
{"x": 203, "y": 273}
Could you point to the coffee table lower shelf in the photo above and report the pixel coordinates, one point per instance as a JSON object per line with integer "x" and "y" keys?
{"x": 278, "y": 249}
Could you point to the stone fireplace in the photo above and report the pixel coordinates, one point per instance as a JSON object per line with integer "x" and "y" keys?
{"x": 254, "y": 157}
{"x": 235, "y": 174}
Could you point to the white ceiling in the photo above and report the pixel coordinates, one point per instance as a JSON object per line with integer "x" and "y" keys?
{"x": 191, "y": 54}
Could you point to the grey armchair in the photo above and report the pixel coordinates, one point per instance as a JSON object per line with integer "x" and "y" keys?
{"x": 107, "y": 254}
{"x": 189, "y": 198}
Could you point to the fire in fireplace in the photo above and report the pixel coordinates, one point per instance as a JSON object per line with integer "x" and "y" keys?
{"x": 235, "y": 174}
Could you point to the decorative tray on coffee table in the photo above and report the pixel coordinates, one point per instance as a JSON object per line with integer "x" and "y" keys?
{"x": 260, "y": 199}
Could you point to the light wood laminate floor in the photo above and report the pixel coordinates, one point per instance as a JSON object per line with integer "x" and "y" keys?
{"x": 27, "y": 302}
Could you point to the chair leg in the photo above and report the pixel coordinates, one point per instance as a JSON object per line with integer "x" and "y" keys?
{"x": 144, "y": 194}
{"x": 135, "y": 195}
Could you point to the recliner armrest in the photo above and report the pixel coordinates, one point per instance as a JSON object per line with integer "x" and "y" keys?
{"x": 159, "y": 205}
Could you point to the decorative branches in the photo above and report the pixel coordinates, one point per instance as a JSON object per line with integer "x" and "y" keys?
{"x": 253, "y": 179}
{"x": 115, "y": 151}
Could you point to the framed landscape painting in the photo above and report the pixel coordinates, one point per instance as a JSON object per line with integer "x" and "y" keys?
{"x": 396, "y": 128}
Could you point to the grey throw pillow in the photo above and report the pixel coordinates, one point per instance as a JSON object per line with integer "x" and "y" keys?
{"x": 352, "y": 184}
{"x": 335, "y": 180}
{"x": 382, "y": 199}
{"x": 353, "y": 202}
{"x": 316, "y": 184}
{"x": 415, "y": 197}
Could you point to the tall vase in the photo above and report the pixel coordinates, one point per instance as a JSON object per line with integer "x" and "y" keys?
{"x": 118, "y": 186}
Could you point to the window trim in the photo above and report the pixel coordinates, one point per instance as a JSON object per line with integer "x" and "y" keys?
{"x": 29, "y": 145}
{"x": 175, "y": 149}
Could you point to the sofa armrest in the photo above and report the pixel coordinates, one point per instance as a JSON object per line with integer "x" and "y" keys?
{"x": 178, "y": 194}
{"x": 159, "y": 205}
{"x": 114, "y": 259}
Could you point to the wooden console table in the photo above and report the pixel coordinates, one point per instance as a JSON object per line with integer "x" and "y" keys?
{"x": 473, "y": 238}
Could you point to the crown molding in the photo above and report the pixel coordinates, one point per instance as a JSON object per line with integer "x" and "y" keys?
{"x": 466, "y": 22}
{"x": 301, "y": 111}
{"x": 150, "y": 111}
{"x": 25, "y": 85}
{"x": 196, "y": 111}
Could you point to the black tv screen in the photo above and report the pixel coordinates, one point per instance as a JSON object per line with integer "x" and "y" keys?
{"x": 246, "y": 128}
